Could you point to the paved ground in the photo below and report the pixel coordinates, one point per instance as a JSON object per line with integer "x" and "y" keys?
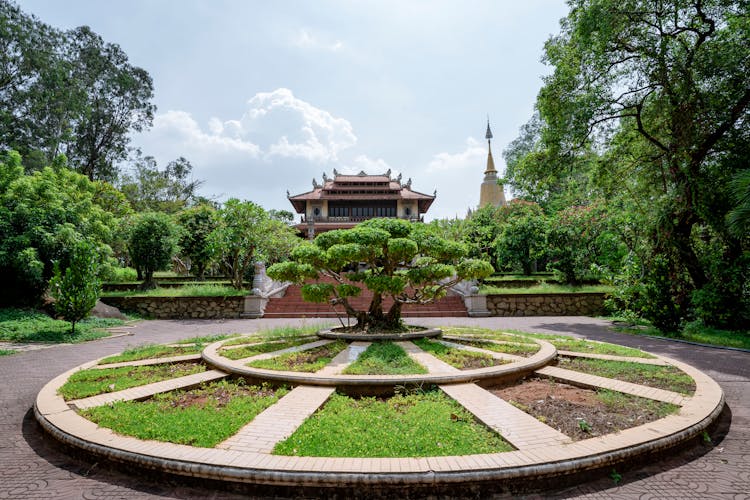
{"x": 31, "y": 466}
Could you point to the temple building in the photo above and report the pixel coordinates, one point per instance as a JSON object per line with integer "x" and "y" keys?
{"x": 345, "y": 200}
{"x": 491, "y": 192}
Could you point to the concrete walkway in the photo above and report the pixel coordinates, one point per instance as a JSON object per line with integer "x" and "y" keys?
{"x": 33, "y": 467}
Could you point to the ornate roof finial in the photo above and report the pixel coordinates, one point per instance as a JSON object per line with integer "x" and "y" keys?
{"x": 488, "y": 135}
{"x": 335, "y": 172}
{"x": 388, "y": 174}
{"x": 398, "y": 178}
{"x": 315, "y": 184}
{"x": 408, "y": 183}
{"x": 287, "y": 193}
{"x": 325, "y": 177}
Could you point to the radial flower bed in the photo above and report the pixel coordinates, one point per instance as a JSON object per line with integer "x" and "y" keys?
{"x": 582, "y": 413}
{"x": 95, "y": 381}
{"x": 661, "y": 377}
{"x": 458, "y": 358}
{"x": 515, "y": 349}
{"x": 384, "y": 358}
{"x": 203, "y": 416}
{"x": 262, "y": 348}
{"x": 310, "y": 360}
{"x": 416, "y": 425}
{"x": 150, "y": 352}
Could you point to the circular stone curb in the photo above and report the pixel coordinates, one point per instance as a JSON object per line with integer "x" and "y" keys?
{"x": 370, "y": 337}
{"x": 542, "y": 357}
{"x": 695, "y": 415}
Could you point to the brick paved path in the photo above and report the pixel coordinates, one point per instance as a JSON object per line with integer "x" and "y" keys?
{"x": 33, "y": 467}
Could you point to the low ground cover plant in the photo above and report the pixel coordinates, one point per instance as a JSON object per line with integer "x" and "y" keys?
{"x": 151, "y": 351}
{"x": 465, "y": 331}
{"x": 458, "y": 358}
{"x": 694, "y": 331}
{"x": 207, "y": 339}
{"x": 91, "y": 382}
{"x": 203, "y": 416}
{"x": 202, "y": 290}
{"x": 582, "y": 413}
{"x": 544, "y": 288}
{"x": 661, "y": 377}
{"x": 279, "y": 333}
{"x": 415, "y": 425}
{"x": 311, "y": 360}
{"x": 255, "y": 349}
{"x": 581, "y": 345}
{"x": 384, "y": 358}
{"x": 515, "y": 349}
{"x": 28, "y": 325}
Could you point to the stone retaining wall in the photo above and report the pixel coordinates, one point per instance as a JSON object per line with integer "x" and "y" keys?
{"x": 547, "y": 304}
{"x": 180, "y": 307}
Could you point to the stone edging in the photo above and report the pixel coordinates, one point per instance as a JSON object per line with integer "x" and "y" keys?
{"x": 698, "y": 412}
{"x": 543, "y": 356}
{"x": 370, "y": 337}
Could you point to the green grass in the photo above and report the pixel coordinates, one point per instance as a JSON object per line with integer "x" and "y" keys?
{"x": 544, "y": 288}
{"x": 486, "y": 333}
{"x": 515, "y": 349}
{"x": 206, "y": 339}
{"x": 85, "y": 383}
{"x": 384, "y": 358}
{"x": 254, "y": 350}
{"x": 692, "y": 332}
{"x": 151, "y": 351}
{"x": 204, "y": 290}
{"x": 7, "y": 352}
{"x": 661, "y": 377}
{"x": 26, "y": 325}
{"x": 580, "y": 345}
{"x": 202, "y": 417}
{"x": 308, "y": 361}
{"x": 458, "y": 358}
{"x": 284, "y": 332}
{"x": 419, "y": 425}
{"x": 616, "y": 400}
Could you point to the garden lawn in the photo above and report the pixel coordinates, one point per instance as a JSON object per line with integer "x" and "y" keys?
{"x": 458, "y": 358}
{"x": 309, "y": 361}
{"x": 206, "y": 339}
{"x": 203, "y": 417}
{"x": 151, "y": 351}
{"x": 25, "y": 325}
{"x": 91, "y": 382}
{"x": 254, "y": 350}
{"x": 485, "y": 333}
{"x": 281, "y": 333}
{"x": 384, "y": 358}
{"x": 580, "y": 345}
{"x": 693, "y": 332}
{"x": 182, "y": 291}
{"x": 418, "y": 425}
{"x": 544, "y": 288}
{"x": 515, "y": 349}
{"x": 661, "y": 377}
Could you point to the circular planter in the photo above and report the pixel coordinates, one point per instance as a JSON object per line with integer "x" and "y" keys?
{"x": 372, "y": 337}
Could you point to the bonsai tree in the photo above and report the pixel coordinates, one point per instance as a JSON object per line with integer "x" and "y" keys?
{"x": 404, "y": 261}
{"x": 152, "y": 243}
{"x": 76, "y": 287}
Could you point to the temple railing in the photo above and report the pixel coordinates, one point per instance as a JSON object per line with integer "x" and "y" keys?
{"x": 306, "y": 220}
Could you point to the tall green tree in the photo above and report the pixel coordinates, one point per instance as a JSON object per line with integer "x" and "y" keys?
{"x": 149, "y": 188}
{"x": 245, "y": 234}
{"x": 523, "y": 237}
{"x": 76, "y": 286}
{"x": 68, "y": 92}
{"x": 41, "y": 216}
{"x": 152, "y": 243}
{"x": 197, "y": 225}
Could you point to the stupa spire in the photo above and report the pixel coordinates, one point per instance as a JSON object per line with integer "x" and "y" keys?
{"x": 490, "y": 161}
{"x": 491, "y": 192}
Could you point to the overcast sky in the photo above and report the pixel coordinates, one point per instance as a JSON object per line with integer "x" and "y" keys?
{"x": 263, "y": 96}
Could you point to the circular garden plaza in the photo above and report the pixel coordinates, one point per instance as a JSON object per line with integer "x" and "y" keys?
{"x": 457, "y": 411}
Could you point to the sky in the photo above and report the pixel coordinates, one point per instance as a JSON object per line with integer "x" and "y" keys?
{"x": 262, "y": 97}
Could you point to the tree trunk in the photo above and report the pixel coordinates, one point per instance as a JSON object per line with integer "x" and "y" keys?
{"x": 148, "y": 282}
{"x": 393, "y": 319}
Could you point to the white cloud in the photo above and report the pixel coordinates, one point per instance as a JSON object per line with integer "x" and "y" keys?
{"x": 305, "y": 39}
{"x": 278, "y": 142}
{"x": 468, "y": 158}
